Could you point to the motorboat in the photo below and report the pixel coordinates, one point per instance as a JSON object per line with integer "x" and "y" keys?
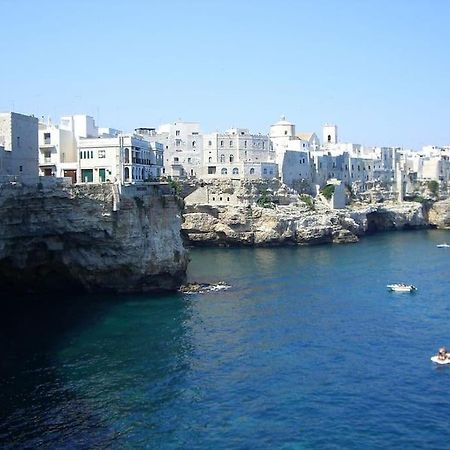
{"x": 438, "y": 360}
{"x": 445, "y": 245}
{"x": 442, "y": 357}
{"x": 401, "y": 287}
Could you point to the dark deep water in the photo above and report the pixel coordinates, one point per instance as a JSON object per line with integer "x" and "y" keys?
{"x": 308, "y": 350}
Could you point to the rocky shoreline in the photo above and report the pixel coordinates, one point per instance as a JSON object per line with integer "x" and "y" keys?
{"x": 206, "y": 225}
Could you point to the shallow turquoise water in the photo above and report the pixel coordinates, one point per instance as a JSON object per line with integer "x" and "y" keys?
{"x": 308, "y": 350}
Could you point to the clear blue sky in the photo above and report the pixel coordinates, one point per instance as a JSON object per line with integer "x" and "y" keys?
{"x": 380, "y": 69}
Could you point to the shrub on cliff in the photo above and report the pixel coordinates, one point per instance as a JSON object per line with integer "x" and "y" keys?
{"x": 265, "y": 201}
{"x": 327, "y": 191}
{"x": 308, "y": 200}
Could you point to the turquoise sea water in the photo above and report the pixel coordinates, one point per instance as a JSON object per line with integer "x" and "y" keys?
{"x": 308, "y": 350}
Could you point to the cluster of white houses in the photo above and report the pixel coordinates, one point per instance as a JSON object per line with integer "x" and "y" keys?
{"x": 77, "y": 149}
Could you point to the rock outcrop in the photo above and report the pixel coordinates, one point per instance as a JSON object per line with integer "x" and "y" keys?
{"x": 439, "y": 214}
{"x": 90, "y": 238}
{"x": 300, "y": 222}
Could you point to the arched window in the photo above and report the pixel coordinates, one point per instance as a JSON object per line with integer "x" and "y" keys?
{"x": 127, "y": 155}
{"x": 222, "y": 158}
{"x": 235, "y": 171}
{"x": 231, "y": 158}
{"x": 210, "y": 159}
{"x": 224, "y": 171}
{"x": 126, "y": 174}
{"x": 329, "y": 138}
{"x": 252, "y": 171}
{"x": 133, "y": 173}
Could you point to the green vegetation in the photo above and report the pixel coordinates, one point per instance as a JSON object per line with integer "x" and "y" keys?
{"x": 419, "y": 199}
{"x": 264, "y": 201}
{"x": 433, "y": 186}
{"x": 308, "y": 200}
{"x": 176, "y": 186}
{"x": 327, "y": 191}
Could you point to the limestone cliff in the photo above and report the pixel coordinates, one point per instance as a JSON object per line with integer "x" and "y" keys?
{"x": 287, "y": 218}
{"x": 89, "y": 237}
{"x": 439, "y": 214}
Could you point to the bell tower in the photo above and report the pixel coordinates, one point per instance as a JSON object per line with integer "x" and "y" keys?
{"x": 330, "y": 135}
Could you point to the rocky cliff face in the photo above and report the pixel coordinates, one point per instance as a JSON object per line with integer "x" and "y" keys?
{"x": 89, "y": 238}
{"x": 293, "y": 224}
{"x": 439, "y": 214}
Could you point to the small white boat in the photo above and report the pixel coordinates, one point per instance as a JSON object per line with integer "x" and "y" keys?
{"x": 445, "y": 245}
{"x": 401, "y": 287}
{"x": 438, "y": 360}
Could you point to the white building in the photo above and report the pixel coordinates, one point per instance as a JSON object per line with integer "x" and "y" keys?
{"x": 123, "y": 159}
{"x": 238, "y": 154}
{"x": 18, "y": 145}
{"x": 58, "y": 145}
{"x": 57, "y": 152}
{"x": 183, "y": 149}
{"x": 292, "y": 155}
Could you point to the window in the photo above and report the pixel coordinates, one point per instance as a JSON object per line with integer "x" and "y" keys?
{"x": 265, "y": 171}
{"x": 221, "y": 143}
{"x": 127, "y": 155}
{"x": 210, "y": 159}
{"x": 177, "y": 132}
{"x": 252, "y": 171}
{"x": 235, "y": 171}
{"x": 189, "y": 160}
{"x": 211, "y": 170}
{"x": 87, "y": 175}
{"x": 224, "y": 171}
{"x": 329, "y": 138}
{"x": 20, "y": 168}
{"x": 245, "y": 144}
{"x": 285, "y": 132}
{"x": 193, "y": 144}
{"x": 222, "y": 158}
{"x": 46, "y": 138}
{"x": 231, "y": 158}
{"x": 18, "y": 141}
{"x": 209, "y": 143}
{"x": 102, "y": 154}
{"x": 263, "y": 144}
{"x": 81, "y": 155}
{"x": 176, "y": 159}
{"x": 177, "y": 142}
{"x": 231, "y": 143}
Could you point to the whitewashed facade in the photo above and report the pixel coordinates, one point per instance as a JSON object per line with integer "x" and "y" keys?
{"x": 183, "y": 149}
{"x": 19, "y": 145}
{"x": 238, "y": 154}
{"x": 122, "y": 159}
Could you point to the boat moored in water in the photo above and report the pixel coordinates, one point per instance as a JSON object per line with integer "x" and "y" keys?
{"x": 401, "y": 287}
{"x": 444, "y": 245}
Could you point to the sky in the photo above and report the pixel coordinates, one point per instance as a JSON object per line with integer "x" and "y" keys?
{"x": 379, "y": 69}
